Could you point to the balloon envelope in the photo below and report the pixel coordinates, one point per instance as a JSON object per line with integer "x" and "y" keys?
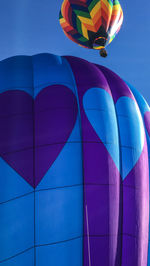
{"x": 74, "y": 166}
{"x": 92, "y": 24}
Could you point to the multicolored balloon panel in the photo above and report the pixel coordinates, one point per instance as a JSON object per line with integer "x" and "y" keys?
{"x": 91, "y": 23}
{"x": 74, "y": 165}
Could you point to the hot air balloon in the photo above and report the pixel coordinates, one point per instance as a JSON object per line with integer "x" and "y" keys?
{"x": 92, "y": 24}
{"x": 74, "y": 165}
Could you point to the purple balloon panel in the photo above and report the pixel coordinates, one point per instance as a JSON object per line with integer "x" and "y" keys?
{"x": 136, "y": 212}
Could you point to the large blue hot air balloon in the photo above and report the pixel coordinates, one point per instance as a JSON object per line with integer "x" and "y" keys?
{"x": 74, "y": 165}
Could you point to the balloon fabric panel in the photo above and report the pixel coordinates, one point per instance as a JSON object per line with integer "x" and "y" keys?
{"x": 74, "y": 141}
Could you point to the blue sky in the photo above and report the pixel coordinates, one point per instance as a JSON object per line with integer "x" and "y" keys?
{"x": 32, "y": 26}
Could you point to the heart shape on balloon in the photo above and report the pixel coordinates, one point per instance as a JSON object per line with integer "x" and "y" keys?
{"x": 34, "y": 131}
{"x": 118, "y": 125}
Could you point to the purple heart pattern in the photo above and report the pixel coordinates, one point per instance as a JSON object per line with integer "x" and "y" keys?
{"x": 34, "y": 131}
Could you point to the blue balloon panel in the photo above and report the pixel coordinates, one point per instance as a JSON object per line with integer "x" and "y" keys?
{"x": 25, "y": 258}
{"x": 132, "y": 133}
{"x": 65, "y": 253}
{"x": 17, "y": 226}
{"x": 69, "y": 206}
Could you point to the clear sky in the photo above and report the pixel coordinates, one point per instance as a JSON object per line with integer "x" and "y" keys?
{"x": 32, "y": 26}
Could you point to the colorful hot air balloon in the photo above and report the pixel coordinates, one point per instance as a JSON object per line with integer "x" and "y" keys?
{"x": 74, "y": 165}
{"x": 91, "y": 23}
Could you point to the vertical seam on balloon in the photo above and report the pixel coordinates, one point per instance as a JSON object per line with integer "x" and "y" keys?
{"x": 34, "y": 157}
{"x": 88, "y": 233}
{"x": 121, "y": 191}
{"x": 81, "y": 135}
{"x": 120, "y": 224}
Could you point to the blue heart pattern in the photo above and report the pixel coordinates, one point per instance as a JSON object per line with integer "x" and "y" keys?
{"x": 119, "y": 127}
